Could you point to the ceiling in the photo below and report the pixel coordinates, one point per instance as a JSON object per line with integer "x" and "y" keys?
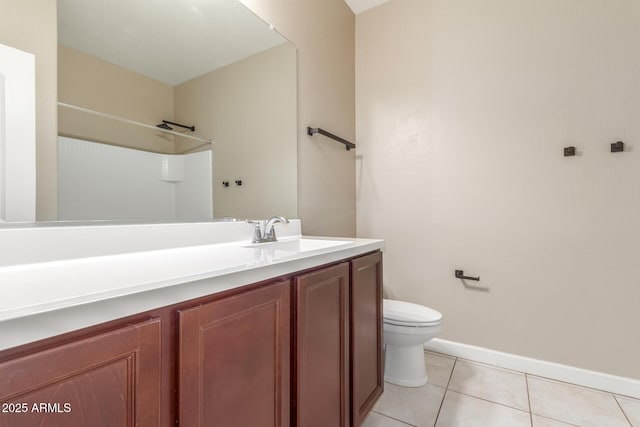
{"x": 169, "y": 40}
{"x": 359, "y": 6}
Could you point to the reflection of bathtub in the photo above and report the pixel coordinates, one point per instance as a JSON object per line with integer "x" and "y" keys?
{"x": 100, "y": 181}
{"x": 17, "y": 135}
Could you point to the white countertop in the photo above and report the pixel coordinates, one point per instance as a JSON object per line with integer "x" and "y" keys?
{"x": 48, "y": 292}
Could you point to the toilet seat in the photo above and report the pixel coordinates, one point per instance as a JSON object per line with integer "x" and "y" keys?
{"x": 401, "y": 313}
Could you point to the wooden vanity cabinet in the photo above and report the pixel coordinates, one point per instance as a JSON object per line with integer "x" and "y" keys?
{"x": 321, "y": 354}
{"x": 304, "y": 350}
{"x": 367, "y": 369}
{"x": 338, "y": 343}
{"x": 234, "y": 360}
{"x": 111, "y": 379}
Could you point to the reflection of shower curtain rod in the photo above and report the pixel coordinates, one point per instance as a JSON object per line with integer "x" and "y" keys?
{"x": 165, "y": 125}
{"x": 109, "y": 116}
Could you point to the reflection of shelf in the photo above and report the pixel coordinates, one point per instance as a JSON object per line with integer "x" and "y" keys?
{"x": 131, "y": 122}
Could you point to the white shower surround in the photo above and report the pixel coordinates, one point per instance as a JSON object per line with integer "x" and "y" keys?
{"x": 100, "y": 181}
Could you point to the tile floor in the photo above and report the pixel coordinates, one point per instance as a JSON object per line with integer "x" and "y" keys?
{"x": 461, "y": 393}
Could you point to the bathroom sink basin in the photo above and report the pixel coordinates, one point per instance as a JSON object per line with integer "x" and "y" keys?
{"x": 299, "y": 245}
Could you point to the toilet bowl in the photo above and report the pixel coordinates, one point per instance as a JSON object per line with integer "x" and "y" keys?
{"x": 407, "y": 327}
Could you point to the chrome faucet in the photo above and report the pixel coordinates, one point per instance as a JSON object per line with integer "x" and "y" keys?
{"x": 264, "y": 231}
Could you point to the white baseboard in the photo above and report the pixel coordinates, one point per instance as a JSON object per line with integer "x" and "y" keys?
{"x": 598, "y": 380}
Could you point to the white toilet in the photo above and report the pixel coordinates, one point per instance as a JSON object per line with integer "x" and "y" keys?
{"x": 407, "y": 327}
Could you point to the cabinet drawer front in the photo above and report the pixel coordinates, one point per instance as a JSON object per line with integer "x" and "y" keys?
{"x": 234, "y": 360}
{"x": 112, "y": 379}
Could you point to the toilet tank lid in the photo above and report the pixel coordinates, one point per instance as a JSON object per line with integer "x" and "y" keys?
{"x": 408, "y": 312}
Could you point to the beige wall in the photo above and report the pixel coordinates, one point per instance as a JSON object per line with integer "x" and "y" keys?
{"x": 323, "y": 32}
{"x": 463, "y": 110}
{"x": 249, "y": 108}
{"x": 89, "y": 82}
{"x": 31, "y": 26}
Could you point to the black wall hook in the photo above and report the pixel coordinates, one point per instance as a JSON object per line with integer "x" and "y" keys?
{"x": 617, "y": 147}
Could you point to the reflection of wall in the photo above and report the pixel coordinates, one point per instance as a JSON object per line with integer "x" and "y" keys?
{"x": 323, "y": 31}
{"x": 92, "y": 83}
{"x": 249, "y": 108}
{"x": 100, "y": 181}
{"x": 30, "y": 25}
{"x": 471, "y": 105}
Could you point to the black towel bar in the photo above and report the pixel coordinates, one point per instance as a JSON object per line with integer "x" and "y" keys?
{"x": 349, "y": 145}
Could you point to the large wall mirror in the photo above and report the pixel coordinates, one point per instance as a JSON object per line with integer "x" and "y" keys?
{"x": 144, "y": 85}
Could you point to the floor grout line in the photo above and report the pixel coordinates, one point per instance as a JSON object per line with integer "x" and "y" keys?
{"x": 622, "y": 409}
{"x": 568, "y": 383}
{"x": 393, "y": 418}
{"x": 526, "y": 381}
{"x": 446, "y": 389}
{"x": 555, "y": 419}
{"x": 446, "y": 356}
{"x": 489, "y": 365}
{"x": 490, "y": 401}
{"x": 624, "y": 395}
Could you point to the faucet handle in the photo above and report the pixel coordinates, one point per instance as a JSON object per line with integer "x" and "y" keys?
{"x": 264, "y": 230}
{"x": 257, "y": 230}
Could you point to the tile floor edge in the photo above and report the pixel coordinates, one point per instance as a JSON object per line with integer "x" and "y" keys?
{"x": 555, "y": 371}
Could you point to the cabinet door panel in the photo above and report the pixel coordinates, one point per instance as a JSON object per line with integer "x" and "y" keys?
{"x": 322, "y": 347}
{"x": 234, "y": 360}
{"x": 366, "y": 335}
{"x": 107, "y": 380}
